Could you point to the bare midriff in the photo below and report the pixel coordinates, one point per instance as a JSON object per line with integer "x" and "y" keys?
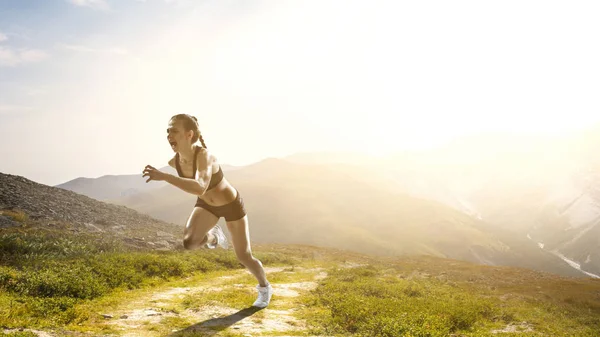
{"x": 220, "y": 195}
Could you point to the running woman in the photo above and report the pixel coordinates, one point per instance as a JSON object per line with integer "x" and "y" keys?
{"x": 199, "y": 173}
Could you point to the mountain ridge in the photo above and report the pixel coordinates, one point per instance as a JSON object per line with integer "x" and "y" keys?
{"x": 350, "y": 208}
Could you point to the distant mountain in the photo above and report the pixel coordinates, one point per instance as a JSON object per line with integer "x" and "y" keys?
{"x": 111, "y": 186}
{"x": 569, "y": 223}
{"x": 545, "y": 189}
{"x": 535, "y": 191}
{"x": 352, "y": 207}
{"x": 61, "y": 210}
{"x": 531, "y": 192}
{"x": 330, "y": 157}
{"x": 115, "y": 186}
{"x": 569, "y": 227}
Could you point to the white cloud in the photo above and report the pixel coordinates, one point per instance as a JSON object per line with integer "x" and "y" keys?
{"x": 94, "y": 4}
{"x": 12, "y": 57}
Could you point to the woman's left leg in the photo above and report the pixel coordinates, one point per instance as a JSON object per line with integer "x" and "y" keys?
{"x": 240, "y": 238}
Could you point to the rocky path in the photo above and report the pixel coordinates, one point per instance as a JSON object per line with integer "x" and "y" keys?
{"x": 218, "y": 307}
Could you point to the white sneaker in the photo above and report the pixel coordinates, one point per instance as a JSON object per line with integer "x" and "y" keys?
{"x": 264, "y": 296}
{"x": 219, "y": 236}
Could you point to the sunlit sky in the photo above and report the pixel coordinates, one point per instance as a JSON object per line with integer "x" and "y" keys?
{"x": 87, "y": 86}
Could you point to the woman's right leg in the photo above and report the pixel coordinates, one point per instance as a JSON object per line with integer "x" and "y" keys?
{"x": 196, "y": 230}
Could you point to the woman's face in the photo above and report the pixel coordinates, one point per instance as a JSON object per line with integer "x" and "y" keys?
{"x": 177, "y": 136}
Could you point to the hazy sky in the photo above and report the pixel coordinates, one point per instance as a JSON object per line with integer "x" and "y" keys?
{"x": 87, "y": 86}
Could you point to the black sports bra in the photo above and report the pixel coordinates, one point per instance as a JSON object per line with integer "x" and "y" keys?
{"x": 215, "y": 179}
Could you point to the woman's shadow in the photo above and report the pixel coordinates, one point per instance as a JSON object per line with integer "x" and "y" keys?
{"x": 214, "y": 325}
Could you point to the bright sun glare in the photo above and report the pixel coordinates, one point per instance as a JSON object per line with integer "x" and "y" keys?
{"x": 285, "y": 77}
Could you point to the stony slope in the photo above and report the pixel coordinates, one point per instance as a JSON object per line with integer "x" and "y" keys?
{"x": 48, "y": 206}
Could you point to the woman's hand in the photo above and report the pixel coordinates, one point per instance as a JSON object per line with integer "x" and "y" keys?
{"x": 153, "y": 174}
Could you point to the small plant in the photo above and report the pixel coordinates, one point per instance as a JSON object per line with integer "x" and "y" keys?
{"x": 18, "y": 216}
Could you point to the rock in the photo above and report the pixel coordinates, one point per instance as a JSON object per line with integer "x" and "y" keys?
{"x": 162, "y": 243}
{"x": 124, "y": 316}
{"x": 6, "y": 221}
{"x": 92, "y": 228}
{"x": 107, "y": 316}
{"x": 163, "y": 234}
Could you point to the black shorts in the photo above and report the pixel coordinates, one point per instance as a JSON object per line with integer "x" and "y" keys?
{"x": 232, "y": 211}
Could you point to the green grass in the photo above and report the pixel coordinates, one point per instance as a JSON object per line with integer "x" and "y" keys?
{"x": 291, "y": 275}
{"x": 20, "y": 247}
{"x": 47, "y": 279}
{"x": 61, "y": 281}
{"x": 18, "y": 334}
{"x": 363, "y": 303}
{"x": 387, "y": 300}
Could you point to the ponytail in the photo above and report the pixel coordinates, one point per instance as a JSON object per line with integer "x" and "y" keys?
{"x": 201, "y": 140}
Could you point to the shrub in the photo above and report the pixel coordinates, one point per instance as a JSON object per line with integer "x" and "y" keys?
{"x": 17, "y": 215}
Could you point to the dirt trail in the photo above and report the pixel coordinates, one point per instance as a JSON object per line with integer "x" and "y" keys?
{"x": 168, "y": 312}
{"x": 214, "y": 306}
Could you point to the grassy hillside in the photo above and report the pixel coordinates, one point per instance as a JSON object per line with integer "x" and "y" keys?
{"x": 48, "y": 278}
{"x": 427, "y": 296}
{"x": 67, "y": 284}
